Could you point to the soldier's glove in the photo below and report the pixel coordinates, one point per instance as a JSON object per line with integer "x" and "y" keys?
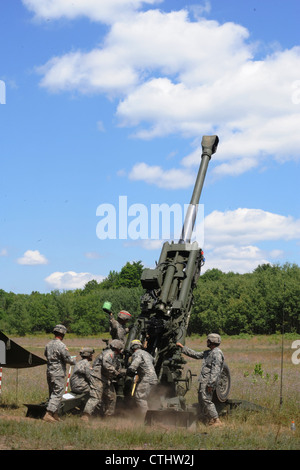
{"x": 130, "y": 372}
{"x": 121, "y": 373}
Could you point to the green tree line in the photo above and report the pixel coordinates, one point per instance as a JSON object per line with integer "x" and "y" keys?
{"x": 262, "y": 302}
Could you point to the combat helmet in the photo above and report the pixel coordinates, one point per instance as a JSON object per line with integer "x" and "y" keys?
{"x": 123, "y": 315}
{"x": 60, "y": 329}
{"x": 117, "y": 344}
{"x": 86, "y": 352}
{"x": 214, "y": 338}
{"x": 135, "y": 343}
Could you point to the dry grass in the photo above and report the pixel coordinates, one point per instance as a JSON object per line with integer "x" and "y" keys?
{"x": 242, "y": 430}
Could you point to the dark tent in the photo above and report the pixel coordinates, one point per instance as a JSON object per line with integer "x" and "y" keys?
{"x": 15, "y": 357}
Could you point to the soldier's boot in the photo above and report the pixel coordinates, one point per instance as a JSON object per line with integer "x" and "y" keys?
{"x": 218, "y": 422}
{"x": 49, "y": 417}
{"x": 56, "y": 416}
{"x": 215, "y": 422}
{"x": 85, "y": 417}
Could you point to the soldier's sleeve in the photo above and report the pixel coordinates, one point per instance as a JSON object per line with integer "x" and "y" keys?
{"x": 113, "y": 323}
{"x": 97, "y": 361}
{"x": 137, "y": 358}
{"x": 66, "y": 355}
{"x": 87, "y": 372}
{"x": 191, "y": 353}
{"x": 108, "y": 366}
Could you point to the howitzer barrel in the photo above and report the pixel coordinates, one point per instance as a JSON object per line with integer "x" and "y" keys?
{"x": 209, "y": 147}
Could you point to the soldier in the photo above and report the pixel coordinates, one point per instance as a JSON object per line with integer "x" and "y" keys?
{"x": 118, "y": 328}
{"x": 81, "y": 377}
{"x": 213, "y": 360}
{"x": 58, "y": 356}
{"x": 105, "y": 370}
{"x": 142, "y": 367}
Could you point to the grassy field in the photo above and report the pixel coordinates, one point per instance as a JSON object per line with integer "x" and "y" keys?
{"x": 255, "y": 366}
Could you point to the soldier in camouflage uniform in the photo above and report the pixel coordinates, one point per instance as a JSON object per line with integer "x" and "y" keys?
{"x": 142, "y": 367}
{"x": 81, "y": 378}
{"x": 102, "y": 391}
{"x": 118, "y": 328}
{"x": 213, "y": 360}
{"x": 58, "y": 356}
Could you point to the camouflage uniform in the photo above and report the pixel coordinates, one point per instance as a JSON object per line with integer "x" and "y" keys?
{"x": 213, "y": 360}
{"x": 117, "y": 328}
{"x": 102, "y": 390}
{"x": 142, "y": 365}
{"x": 58, "y": 356}
{"x": 81, "y": 377}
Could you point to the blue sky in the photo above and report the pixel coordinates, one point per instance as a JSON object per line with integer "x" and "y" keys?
{"x": 108, "y": 99}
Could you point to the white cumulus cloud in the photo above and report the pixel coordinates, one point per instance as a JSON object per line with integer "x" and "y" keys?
{"x": 174, "y": 178}
{"x": 240, "y": 259}
{"x": 31, "y": 258}
{"x": 175, "y": 74}
{"x": 245, "y": 226}
{"x": 71, "y": 280}
{"x": 232, "y": 238}
{"x": 95, "y": 10}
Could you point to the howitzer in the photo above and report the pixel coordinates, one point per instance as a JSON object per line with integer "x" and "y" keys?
{"x": 167, "y": 301}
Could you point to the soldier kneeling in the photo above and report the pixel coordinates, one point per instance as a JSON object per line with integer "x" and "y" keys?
{"x": 80, "y": 381}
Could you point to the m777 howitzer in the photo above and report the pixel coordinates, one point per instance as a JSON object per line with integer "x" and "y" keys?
{"x": 167, "y": 302}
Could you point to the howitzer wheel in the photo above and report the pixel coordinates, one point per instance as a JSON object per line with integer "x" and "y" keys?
{"x": 188, "y": 380}
{"x": 223, "y": 387}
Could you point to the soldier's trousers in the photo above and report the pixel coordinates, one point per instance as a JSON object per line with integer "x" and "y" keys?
{"x": 56, "y": 386}
{"x": 80, "y": 390}
{"x": 207, "y": 407}
{"x": 142, "y": 393}
{"x": 102, "y": 395}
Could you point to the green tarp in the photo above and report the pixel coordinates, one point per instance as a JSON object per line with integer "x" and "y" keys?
{"x": 15, "y": 357}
